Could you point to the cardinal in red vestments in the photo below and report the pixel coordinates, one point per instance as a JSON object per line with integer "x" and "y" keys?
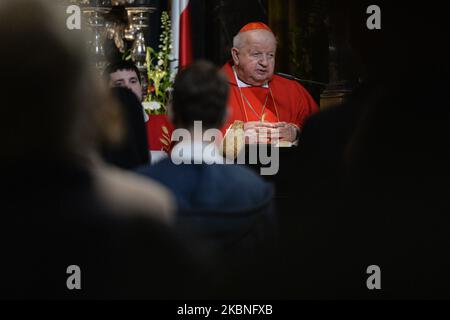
{"x": 259, "y": 98}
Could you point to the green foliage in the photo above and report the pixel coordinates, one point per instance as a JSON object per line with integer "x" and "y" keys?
{"x": 160, "y": 80}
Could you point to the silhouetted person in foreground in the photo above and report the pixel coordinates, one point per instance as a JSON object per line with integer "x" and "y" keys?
{"x": 61, "y": 205}
{"x": 225, "y": 209}
{"x": 132, "y": 151}
{"x": 375, "y": 172}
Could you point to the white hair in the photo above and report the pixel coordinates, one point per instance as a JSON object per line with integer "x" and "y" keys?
{"x": 237, "y": 41}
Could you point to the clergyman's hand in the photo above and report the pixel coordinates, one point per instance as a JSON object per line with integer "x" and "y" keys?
{"x": 257, "y": 132}
{"x": 253, "y": 125}
{"x": 284, "y": 131}
{"x": 267, "y": 132}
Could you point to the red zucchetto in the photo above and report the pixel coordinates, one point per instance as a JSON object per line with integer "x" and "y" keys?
{"x": 255, "y": 26}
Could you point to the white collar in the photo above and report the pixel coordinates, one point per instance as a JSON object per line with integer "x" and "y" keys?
{"x": 242, "y": 84}
{"x": 196, "y": 153}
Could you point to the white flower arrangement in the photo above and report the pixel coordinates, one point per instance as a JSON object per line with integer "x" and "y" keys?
{"x": 151, "y": 106}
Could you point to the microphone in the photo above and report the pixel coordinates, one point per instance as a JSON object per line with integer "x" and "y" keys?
{"x": 291, "y": 77}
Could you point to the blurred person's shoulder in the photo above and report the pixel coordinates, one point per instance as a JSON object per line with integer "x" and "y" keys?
{"x": 159, "y": 170}
{"x": 127, "y": 192}
{"x": 240, "y": 183}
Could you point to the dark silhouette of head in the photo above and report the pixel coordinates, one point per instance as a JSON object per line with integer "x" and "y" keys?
{"x": 51, "y": 104}
{"x": 200, "y": 94}
{"x": 132, "y": 151}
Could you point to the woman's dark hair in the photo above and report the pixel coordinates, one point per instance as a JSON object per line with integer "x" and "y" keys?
{"x": 132, "y": 152}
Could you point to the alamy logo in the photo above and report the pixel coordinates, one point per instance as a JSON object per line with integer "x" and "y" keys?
{"x": 74, "y": 280}
{"x": 374, "y": 20}
{"x": 73, "y": 21}
{"x": 202, "y": 147}
{"x": 374, "y": 280}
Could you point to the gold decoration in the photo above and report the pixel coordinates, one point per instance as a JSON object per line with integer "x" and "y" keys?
{"x": 234, "y": 140}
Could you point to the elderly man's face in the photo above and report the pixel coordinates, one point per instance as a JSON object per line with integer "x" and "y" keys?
{"x": 128, "y": 79}
{"x": 255, "y": 59}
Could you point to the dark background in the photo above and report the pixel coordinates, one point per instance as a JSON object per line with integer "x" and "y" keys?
{"x": 320, "y": 40}
{"x": 313, "y": 35}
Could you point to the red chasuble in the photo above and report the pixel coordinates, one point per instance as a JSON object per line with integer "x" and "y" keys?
{"x": 283, "y": 100}
{"x": 159, "y": 133}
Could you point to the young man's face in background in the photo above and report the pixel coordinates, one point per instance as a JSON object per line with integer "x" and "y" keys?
{"x": 128, "y": 79}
